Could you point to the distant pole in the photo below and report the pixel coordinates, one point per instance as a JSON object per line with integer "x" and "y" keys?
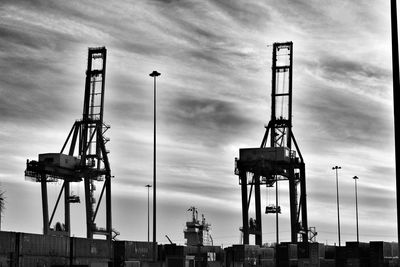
{"x": 148, "y": 212}
{"x": 337, "y": 199}
{"x": 355, "y": 186}
{"x": 1, "y": 206}
{"x": 154, "y": 74}
{"x": 277, "y": 213}
{"x": 396, "y": 107}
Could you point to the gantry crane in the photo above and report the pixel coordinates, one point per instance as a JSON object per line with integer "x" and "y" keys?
{"x": 277, "y": 160}
{"x": 86, "y": 158}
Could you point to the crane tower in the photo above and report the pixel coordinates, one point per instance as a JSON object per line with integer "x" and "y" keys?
{"x": 275, "y": 161}
{"x": 85, "y": 160}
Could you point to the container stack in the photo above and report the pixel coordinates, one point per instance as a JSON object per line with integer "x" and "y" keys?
{"x": 286, "y": 255}
{"x": 382, "y": 253}
{"x": 242, "y": 255}
{"x": 267, "y": 257}
{"x": 7, "y": 248}
{"x": 310, "y": 254}
{"x": 174, "y": 255}
{"x": 91, "y": 252}
{"x": 126, "y": 252}
{"x": 42, "y": 250}
{"x": 357, "y": 254}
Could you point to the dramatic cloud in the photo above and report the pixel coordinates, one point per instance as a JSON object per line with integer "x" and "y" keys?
{"x": 213, "y": 97}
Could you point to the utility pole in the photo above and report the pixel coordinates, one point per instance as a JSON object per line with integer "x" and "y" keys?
{"x": 277, "y": 213}
{"x": 396, "y": 107}
{"x": 1, "y": 205}
{"x": 154, "y": 74}
{"x": 355, "y": 186}
{"x": 148, "y": 212}
{"x": 337, "y": 199}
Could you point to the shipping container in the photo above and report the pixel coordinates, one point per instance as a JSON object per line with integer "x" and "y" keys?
{"x": 229, "y": 257}
{"x": 91, "y": 262}
{"x": 174, "y": 250}
{"x": 330, "y": 252}
{"x": 42, "y": 261}
{"x": 43, "y": 245}
{"x": 395, "y": 250}
{"x": 287, "y": 263}
{"x": 6, "y": 261}
{"x": 391, "y": 262}
{"x": 267, "y": 253}
{"x": 242, "y": 255}
{"x": 152, "y": 264}
{"x": 317, "y": 251}
{"x": 132, "y": 251}
{"x": 340, "y": 256}
{"x": 310, "y": 254}
{"x": 246, "y": 253}
{"x": 175, "y": 261}
{"x": 286, "y": 251}
{"x": 131, "y": 264}
{"x": 91, "y": 248}
{"x": 312, "y": 251}
{"x": 303, "y": 262}
{"x": 7, "y": 243}
{"x": 267, "y": 263}
{"x": 327, "y": 263}
{"x": 357, "y": 250}
{"x": 303, "y": 250}
{"x": 354, "y": 263}
{"x": 378, "y": 252}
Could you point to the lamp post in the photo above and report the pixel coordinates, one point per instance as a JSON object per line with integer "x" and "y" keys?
{"x": 148, "y": 212}
{"x": 154, "y": 74}
{"x": 355, "y": 186}
{"x": 336, "y": 168}
{"x": 396, "y": 106}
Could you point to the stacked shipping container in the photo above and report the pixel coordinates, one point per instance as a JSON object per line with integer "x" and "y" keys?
{"x": 42, "y": 250}
{"x": 91, "y": 252}
{"x": 26, "y": 250}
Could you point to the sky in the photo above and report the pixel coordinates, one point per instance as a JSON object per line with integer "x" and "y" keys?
{"x": 213, "y": 97}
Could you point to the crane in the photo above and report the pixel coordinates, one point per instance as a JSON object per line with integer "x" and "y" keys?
{"x": 85, "y": 160}
{"x": 277, "y": 160}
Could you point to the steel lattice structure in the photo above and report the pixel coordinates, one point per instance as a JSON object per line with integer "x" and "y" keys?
{"x": 277, "y": 160}
{"x": 86, "y": 159}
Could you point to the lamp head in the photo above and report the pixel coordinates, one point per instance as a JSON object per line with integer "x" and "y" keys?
{"x": 155, "y": 73}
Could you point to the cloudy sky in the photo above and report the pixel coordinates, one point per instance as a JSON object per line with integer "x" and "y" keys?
{"x": 213, "y": 98}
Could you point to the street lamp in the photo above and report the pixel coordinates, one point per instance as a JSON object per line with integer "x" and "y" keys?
{"x": 355, "y": 186}
{"x": 148, "y": 212}
{"x": 154, "y": 74}
{"x": 337, "y": 199}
